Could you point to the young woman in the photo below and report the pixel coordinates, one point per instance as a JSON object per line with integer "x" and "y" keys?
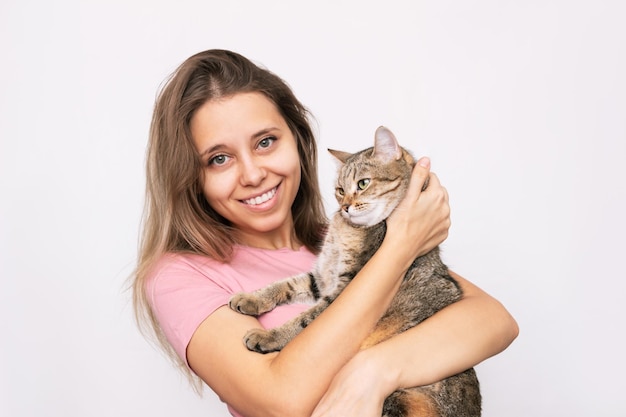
{"x": 232, "y": 204}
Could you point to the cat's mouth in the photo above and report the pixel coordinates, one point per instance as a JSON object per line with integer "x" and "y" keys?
{"x": 364, "y": 216}
{"x": 260, "y": 199}
{"x": 357, "y": 218}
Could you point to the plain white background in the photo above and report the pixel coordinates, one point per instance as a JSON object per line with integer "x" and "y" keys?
{"x": 520, "y": 104}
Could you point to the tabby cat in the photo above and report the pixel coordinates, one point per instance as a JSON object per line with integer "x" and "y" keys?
{"x": 370, "y": 185}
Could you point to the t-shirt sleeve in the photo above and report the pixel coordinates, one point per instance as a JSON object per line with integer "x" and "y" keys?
{"x": 182, "y": 296}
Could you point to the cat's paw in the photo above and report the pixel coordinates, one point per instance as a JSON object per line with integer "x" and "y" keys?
{"x": 246, "y": 303}
{"x": 262, "y": 341}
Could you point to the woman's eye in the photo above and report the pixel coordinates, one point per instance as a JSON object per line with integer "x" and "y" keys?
{"x": 218, "y": 160}
{"x": 266, "y": 142}
{"x": 362, "y": 184}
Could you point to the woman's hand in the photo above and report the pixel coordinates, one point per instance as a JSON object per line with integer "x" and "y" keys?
{"x": 422, "y": 219}
{"x": 419, "y": 223}
{"x": 359, "y": 390}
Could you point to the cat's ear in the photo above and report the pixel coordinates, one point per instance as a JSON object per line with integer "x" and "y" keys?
{"x": 341, "y": 156}
{"x": 386, "y": 145}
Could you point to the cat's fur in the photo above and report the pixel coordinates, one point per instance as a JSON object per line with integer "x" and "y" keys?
{"x": 370, "y": 185}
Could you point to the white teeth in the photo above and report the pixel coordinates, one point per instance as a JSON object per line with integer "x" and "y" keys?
{"x": 261, "y": 199}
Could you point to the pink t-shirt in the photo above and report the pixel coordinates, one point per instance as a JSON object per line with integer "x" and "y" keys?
{"x": 183, "y": 290}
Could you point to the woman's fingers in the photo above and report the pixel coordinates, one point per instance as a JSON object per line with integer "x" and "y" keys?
{"x": 419, "y": 177}
{"x": 421, "y": 221}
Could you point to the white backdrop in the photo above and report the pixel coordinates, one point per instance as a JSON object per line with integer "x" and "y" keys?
{"x": 521, "y": 106}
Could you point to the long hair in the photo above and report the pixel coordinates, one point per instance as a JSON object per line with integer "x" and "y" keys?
{"x": 177, "y": 217}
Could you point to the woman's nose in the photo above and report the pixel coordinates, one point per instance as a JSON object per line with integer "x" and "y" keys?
{"x": 252, "y": 173}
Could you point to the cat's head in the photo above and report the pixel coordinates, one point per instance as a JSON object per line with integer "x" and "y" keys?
{"x": 372, "y": 182}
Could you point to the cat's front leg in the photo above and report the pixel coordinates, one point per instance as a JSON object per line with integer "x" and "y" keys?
{"x": 264, "y": 341}
{"x": 290, "y": 290}
{"x": 251, "y": 303}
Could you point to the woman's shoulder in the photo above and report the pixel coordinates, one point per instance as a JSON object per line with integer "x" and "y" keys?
{"x": 241, "y": 256}
{"x": 183, "y": 271}
{"x": 248, "y": 268}
{"x": 180, "y": 261}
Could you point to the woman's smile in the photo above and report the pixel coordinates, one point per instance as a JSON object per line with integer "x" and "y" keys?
{"x": 261, "y": 200}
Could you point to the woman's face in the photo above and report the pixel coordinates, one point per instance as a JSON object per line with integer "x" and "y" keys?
{"x": 251, "y": 166}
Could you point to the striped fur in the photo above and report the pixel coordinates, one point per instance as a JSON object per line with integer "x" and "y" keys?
{"x": 370, "y": 184}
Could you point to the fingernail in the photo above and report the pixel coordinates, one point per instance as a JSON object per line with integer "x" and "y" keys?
{"x": 424, "y": 162}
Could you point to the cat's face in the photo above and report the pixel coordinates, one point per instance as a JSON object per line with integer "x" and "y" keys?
{"x": 371, "y": 183}
{"x": 367, "y": 194}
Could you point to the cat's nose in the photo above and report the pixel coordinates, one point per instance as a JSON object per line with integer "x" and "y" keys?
{"x": 345, "y": 207}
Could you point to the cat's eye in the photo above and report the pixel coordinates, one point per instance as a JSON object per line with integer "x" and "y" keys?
{"x": 340, "y": 191}
{"x": 362, "y": 184}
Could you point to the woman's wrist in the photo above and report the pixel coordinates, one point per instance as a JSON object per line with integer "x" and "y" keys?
{"x": 398, "y": 253}
{"x": 374, "y": 368}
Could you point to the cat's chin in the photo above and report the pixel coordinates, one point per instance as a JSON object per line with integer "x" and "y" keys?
{"x": 360, "y": 220}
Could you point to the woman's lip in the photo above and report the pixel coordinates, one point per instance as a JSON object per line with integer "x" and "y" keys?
{"x": 261, "y": 198}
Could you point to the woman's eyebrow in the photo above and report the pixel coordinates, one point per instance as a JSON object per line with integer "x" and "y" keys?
{"x": 255, "y": 135}
{"x": 264, "y": 132}
{"x": 212, "y": 149}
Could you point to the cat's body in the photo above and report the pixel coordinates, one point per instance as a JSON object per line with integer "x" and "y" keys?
{"x": 370, "y": 185}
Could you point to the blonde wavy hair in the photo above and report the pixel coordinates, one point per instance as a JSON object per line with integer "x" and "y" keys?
{"x": 177, "y": 217}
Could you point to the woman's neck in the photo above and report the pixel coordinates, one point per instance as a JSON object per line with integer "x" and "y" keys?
{"x": 270, "y": 240}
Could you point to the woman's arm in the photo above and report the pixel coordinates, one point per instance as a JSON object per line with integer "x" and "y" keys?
{"x": 292, "y": 381}
{"x": 457, "y": 338}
